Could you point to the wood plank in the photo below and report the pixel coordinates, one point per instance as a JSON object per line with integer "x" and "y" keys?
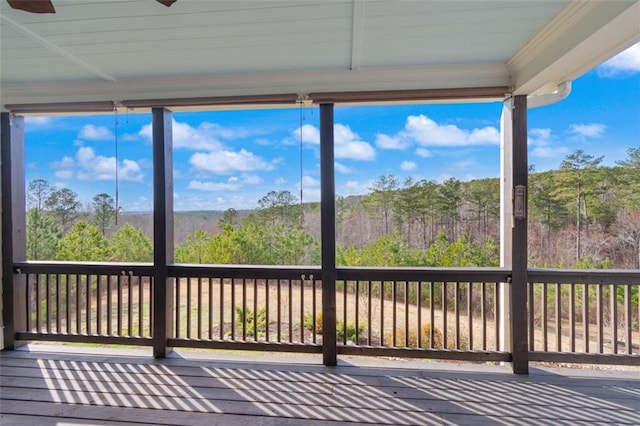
{"x": 12, "y": 399}
{"x": 287, "y": 410}
{"x": 319, "y": 374}
{"x": 88, "y": 388}
{"x": 36, "y": 413}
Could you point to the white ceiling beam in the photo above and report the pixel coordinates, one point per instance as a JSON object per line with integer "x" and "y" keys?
{"x": 56, "y": 49}
{"x": 582, "y": 36}
{"x": 486, "y": 75}
{"x": 357, "y": 33}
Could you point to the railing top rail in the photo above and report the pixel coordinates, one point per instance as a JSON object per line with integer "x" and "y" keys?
{"x": 245, "y": 271}
{"x": 92, "y": 268}
{"x": 585, "y": 276}
{"x": 476, "y": 274}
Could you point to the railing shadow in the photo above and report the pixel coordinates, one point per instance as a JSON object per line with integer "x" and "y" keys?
{"x": 180, "y": 391}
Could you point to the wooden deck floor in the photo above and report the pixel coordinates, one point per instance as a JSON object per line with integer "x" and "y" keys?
{"x": 53, "y": 386}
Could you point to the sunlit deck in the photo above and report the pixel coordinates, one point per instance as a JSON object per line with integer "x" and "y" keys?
{"x": 52, "y": 385}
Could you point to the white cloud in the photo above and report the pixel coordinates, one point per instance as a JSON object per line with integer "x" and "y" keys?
{"x": 214, "y": 186}
{"x": 626, "y": 62}
{"x": 424, "y": 131}
{"x": 391, "y": 142}
{"x": 130, "y": 170}
{"x": 63, "y": 174}
{"x": 204, "y": 137}
{"x": 212, "y": 155}
{"x": 341, "y": 168}
{"x": 424, "y": 153}
{"x": 65, "y": 163}
{"x": 348, "y": 145}
{"x": 427, "y": 132}
{"x": 309, "y": 181}
{"x": 225, "y": 162}
{"x": 485, "y": 136}
{"x": 89, "y": 166}
{"x": 251, "y": 179}
{"x": 310, "y": 188}
{"x": 310, "y": 134}
{"x": 591, "y": 130}
{"x": 352, "y": 187}
{"x": 541, "y": 144}
{"x": 95, "y": 133}
{"x": 408, "y": 165}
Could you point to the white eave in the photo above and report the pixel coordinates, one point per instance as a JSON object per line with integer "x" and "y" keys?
{"x": 119, "y": 52}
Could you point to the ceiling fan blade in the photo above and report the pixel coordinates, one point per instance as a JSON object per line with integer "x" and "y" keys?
{"x": 33, "y": 6}
{"x": 167, "y": 3}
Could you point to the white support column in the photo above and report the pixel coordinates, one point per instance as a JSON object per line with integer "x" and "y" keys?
{"x": 14, "y": 239}
{"x": 506, "y": 219}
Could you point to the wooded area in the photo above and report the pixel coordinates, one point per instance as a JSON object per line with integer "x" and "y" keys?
{"x": 582, "y": 215}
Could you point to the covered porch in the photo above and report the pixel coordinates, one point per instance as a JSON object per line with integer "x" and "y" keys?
{"x": 112, "y": 387}
{"x": 541, "y": 47}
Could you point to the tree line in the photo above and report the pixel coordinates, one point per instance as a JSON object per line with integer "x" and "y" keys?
{"x": 59, "y": 228}
{"x": 581, "y": 215}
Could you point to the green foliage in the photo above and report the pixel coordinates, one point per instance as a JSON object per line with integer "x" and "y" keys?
{"x": 229, "y": 217}
{"x": 249, "y": 319}
{"x": 278, "y": 207}
{"x": 64, "y": 205}
{"x": 392, "y": 250}
{"x": 42, "y": 235}
{"x": 381, "y": 201}
{"x": 130, "y": 244}
{"x": 194, "y": 248}
{"x": 483, "y": 196}
{"x": 462, "y": 252}
{"x": 449, "y": 202}
{"x": 349, "y": 331}
{"x": 104, "y": 211}
{"x": 251, "y": 244}
{"x": 388, "y": 250}
{"x": 37, "y": 193}
{"x": 83, "y": 242}
{"x": 589, "y": 263}
{"x": 628, "y": 179}
{"x": 543, "y": 202}
{"x": 310, "y": 324}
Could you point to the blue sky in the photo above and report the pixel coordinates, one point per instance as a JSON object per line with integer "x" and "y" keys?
{"x": 226, "y": 159}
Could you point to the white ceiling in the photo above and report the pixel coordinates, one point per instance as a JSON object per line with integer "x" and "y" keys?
{"x": 122, "y": 50}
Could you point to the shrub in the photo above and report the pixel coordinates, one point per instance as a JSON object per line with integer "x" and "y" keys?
{"x": 309, "y": 323}
{"x": 249, "y": 318}
{"x": 425, "y": 334}
{"x": 349, "y": 330}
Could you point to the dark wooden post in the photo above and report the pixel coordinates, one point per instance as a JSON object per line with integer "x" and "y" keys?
{"x": 162, "y": 230}
{"x": 328, "y": 236}
{"x": 14, "y": 239}
{"x": 518, "y": 308}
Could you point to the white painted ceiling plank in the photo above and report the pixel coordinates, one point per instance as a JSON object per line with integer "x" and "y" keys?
{"x": 357, "y": 33}
{"x": 58, "y": 50}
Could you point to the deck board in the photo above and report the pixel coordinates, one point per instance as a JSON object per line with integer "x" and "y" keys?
{"x": 42, "y": 388}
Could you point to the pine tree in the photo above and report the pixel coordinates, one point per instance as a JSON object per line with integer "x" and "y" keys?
{"x": 83, "y": 242}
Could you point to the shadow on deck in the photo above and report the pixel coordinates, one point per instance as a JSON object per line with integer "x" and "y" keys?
{"x": 52, "y": 385}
